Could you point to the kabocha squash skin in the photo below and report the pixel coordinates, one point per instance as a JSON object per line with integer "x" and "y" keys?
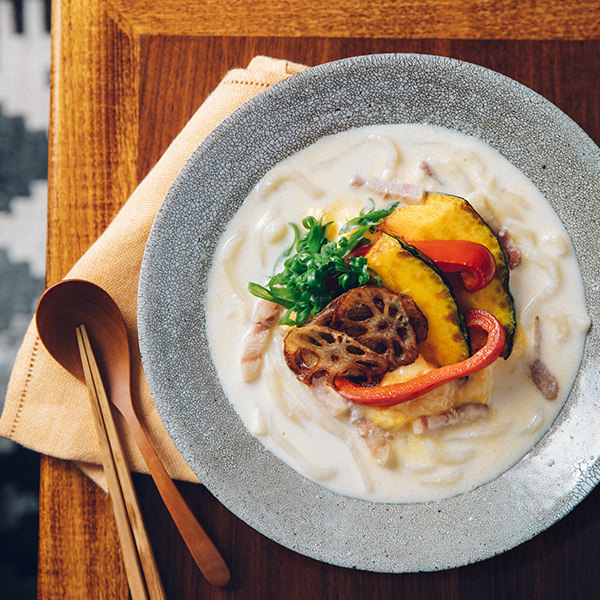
{"x": 403, "y": 269}
{"x": 446, "y": 217}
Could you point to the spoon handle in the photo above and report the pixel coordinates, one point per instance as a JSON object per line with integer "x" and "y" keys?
{"x": 207, "y": 557}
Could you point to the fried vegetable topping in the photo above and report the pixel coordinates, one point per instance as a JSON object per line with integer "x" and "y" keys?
{"x": 377, "y": 298}
{"x": 362, "y": 334}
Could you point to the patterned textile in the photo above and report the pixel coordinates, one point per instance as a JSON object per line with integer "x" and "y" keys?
{"x": 24, "y": 99}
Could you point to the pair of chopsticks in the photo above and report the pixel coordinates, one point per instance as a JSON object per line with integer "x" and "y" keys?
{"x": 140, "y": 566}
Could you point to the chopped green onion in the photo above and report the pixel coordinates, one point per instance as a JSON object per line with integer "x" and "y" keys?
{"x": 317, "y": 270}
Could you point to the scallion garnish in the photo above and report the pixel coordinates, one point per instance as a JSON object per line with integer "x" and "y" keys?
{"x": 318, "y": 270}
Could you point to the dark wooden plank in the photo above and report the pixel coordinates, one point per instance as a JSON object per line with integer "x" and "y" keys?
{"x": 563, "y": 72}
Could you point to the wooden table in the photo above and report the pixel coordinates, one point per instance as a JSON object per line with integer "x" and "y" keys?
{"x": 126, "y": 75}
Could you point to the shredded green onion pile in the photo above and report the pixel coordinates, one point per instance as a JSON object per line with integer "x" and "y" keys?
{"x": 317, "y": 270}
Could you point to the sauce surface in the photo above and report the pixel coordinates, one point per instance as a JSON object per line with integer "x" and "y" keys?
{"x": 287, "y": 417}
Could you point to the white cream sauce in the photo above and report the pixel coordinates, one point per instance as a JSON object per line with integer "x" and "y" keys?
{"x": 296, "y": 426}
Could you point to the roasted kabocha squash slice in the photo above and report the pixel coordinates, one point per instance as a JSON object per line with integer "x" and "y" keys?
{"x": 404, "y": 270}
{"x": 445, "y": 217}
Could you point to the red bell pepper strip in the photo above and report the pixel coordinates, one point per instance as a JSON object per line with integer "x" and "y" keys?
{"x": 396, "y": 393}
{"x": 475, "y": 262}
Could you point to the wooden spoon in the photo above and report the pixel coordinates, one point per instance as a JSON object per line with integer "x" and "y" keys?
{"x": 73, "y": 302}
{"x": 135, "y": 543}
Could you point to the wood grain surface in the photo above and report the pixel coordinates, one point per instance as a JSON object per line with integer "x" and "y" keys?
{"x": 407, "y": 19}
{"x": 126, "y": 76}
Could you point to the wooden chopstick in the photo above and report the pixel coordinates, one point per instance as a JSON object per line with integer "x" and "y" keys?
{"x": 136, "y": 549}
{"x": 130, "y": 556}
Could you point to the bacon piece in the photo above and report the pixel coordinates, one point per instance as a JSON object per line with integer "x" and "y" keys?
{"x": 512, "y": 252}
{"x": 407, "y": 192}
{"x": 425, "y": 167}
{"x": 541, "y": 376}
{"x": 465, "y": 413}
{"x": 376, "y": 438}
{"x": 331, "y": 400}
{"x": 264, "y": 318}
{"x": 544, "y": 381}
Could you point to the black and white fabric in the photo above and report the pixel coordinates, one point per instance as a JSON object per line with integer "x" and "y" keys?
{"x": 24, "y": 109}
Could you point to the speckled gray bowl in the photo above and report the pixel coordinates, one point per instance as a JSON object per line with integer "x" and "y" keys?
{"x": 528, "y": 130}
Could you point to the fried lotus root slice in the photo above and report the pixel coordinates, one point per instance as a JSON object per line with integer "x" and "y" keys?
{"x": 390, "y": 324}
{"x": 325, "y": 317}
{"x": 315, "y": 351}
{"x": 416, "y": 317}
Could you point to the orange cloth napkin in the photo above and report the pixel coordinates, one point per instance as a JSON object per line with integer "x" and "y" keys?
{"x": 46, "y": 408}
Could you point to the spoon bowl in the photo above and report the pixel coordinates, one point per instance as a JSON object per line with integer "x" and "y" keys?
{"x": 68, "y": 304}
